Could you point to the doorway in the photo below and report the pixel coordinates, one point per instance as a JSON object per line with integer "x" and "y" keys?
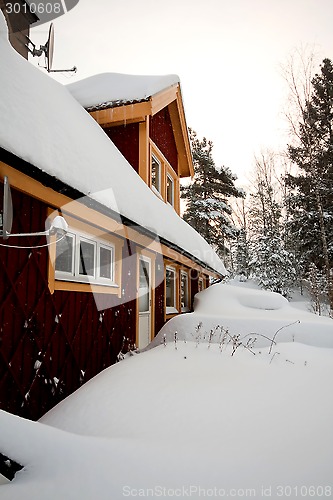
{"x": 144, "y": 301}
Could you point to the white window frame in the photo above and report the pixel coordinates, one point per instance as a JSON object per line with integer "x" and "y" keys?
{"x": 158, "y": 189}
{"x": 75, "y": 275}
{"x": 186, "y": 308}
{"x": 172, "y": 181}
{"x": 112, "y": 250}
{"x": 171, "y": 309}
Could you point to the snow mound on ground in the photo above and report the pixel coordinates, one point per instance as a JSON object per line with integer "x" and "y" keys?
{"x": 62, "y": 465}
{"x": 221, "y": 298}
{"x": 247, "y": 312}
{"x": 174, "y": 417}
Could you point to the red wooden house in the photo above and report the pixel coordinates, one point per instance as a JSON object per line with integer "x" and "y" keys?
{"x": 110, "y": 164}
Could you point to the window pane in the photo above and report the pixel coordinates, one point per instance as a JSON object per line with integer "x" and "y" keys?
{"x": 144, "y": 273}
{"x": 170, "y": 288}
{"x": 105, "y": 263}
{"x": 144, "y": 293}
{"x": 155, "y": 173}
{"x": 87, "y": 258}
{"x": 184, "y": 291}
{"x": 65, "y": 255}
{"x": 169, "y": 190}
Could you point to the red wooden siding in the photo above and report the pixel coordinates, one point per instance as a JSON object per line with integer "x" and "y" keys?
{"x": 126, "y": 139}
{"x": 159, "y": 294}
{"x": 161, "y": 133}
{"x": 51, "y": 344}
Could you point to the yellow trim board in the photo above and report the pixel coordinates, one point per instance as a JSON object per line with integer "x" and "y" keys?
{"x": 127, "y": 113}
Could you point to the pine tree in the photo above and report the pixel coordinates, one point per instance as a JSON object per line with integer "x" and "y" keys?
{"x": 208, "y": 210}
{"x": 317, "y": 287}
{"x": 271, "y": 263}
{"x": 240, "y": 247}
{"x": 311, "y": 196}
{"x": 242, "y": 254}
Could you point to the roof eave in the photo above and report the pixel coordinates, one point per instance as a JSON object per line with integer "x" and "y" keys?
{"x": 61, "y": 187}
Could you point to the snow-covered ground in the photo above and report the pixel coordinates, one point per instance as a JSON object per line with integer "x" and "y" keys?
{"x": 242, "y": 308}
{"x": 188, "y": 419}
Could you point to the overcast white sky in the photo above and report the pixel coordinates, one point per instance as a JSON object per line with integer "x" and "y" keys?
{"x": 227, "y": 53}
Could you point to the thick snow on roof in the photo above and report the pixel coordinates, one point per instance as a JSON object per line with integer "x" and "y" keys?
{"x": 116, "y": 88}
{"x": 43, "y": 124}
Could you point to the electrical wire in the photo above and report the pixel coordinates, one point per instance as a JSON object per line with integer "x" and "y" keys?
{"x": 36, "y": 246}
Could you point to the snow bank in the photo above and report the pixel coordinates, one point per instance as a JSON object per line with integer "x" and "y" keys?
{"x": 63, "y": 465}
{"x": 188, "y": 418}
{"x": 221, "y": 299}
{"x": 179, "y": 418}
{"x": 117, "y": 88}
{"x": 42, "y": 123}
{"x": 247, "y": 311}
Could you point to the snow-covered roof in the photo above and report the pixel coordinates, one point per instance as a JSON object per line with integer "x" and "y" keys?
{"x": 109, "y": 89}
{"x": 44, "y": 125}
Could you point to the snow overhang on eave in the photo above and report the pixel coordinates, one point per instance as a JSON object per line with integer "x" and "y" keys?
{"x": 119, "y": 112}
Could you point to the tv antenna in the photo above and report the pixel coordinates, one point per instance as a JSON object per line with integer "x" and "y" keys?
{"x": 58, "y": 226}
{"x": 48, "y": 50}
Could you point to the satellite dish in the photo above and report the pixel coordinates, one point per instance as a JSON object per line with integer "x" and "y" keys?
{"x": 7, "y": 210}
{"x": 50, "y": 48}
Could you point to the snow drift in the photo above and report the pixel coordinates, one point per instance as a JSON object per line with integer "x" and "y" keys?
{"x": 245, "y": 311}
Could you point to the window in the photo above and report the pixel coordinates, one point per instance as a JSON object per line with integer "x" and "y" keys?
{"x": 163, "y": 180}
{"x": 184, "y": 295}
{"x": 144, "y": 285}
{"x": 85, "y": 260}
{"x": 105, "y": 262}
{"x": 170, "y": 290}
{"x": 155, "y": 173}
{"x": 170, "y": 190}
{"x": 65, "y": 255}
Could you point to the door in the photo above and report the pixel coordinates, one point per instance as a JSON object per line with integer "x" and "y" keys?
{"x": 144, "y": 302}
